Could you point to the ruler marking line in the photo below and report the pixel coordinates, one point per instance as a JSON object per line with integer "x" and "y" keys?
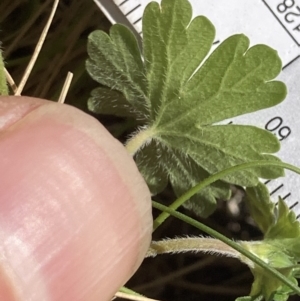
{"x": 276, "y": 189}
{"x": 287, "y": 196}
{"x": 294, "y": 205}
{"x": 137, "y": 21}
{"x": 291, "y": 62}
{"x": 123, "y": 3}
{"x": 139, "y": 5}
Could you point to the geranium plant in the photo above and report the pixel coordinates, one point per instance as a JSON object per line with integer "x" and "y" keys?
{"x": 179, "y": 91}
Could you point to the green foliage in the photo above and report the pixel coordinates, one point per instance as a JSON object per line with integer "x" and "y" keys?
{"x": 249, "y": 298}
{"x": 280, "y": 247}
{"x": 3, "y": 83}
{"x": 178, "y": 104}
{"x": 261, "y": 209}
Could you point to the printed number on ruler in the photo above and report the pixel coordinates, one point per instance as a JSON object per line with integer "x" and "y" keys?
{"x": 277, "y": 127}
{"x": 287, "y": 13}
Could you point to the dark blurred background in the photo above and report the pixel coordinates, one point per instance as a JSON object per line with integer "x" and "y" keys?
{"x": 168, "y": 277}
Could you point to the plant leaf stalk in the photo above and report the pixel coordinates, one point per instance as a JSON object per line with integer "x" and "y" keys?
{"x": 229, "y": 242}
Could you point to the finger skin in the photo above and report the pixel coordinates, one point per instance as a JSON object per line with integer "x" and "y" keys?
{"x": 75, "y": 214}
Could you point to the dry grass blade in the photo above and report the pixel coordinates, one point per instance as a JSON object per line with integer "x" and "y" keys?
{"x": 65, "y": 88}
{"x": 37, "y": 50}
{"x": 133, "y": 297}
{"x": 10, "y": 81}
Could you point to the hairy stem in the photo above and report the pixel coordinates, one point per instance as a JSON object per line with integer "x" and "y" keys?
{"x": 138, "y": 140}
{"x": 3, "y": 83}
{"x": 192, "y": 244}
{"x": 245, "y": 254}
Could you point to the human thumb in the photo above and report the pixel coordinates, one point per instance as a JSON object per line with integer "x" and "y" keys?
{"x": 75, "y": 214}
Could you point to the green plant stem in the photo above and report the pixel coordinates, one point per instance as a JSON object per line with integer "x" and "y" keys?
{"x": 3, "y": 83}
{"x": 229, "y": 242}
{"x": 191, "y": 244}
{"x": 177, "y": 203}
{"x": 138, "y": 140}
{"x": 128, "y": 291}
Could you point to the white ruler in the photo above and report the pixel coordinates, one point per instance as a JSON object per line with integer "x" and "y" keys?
{"x": 272, "y": 22}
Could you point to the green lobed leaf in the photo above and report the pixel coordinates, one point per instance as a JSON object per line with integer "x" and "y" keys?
{"x": 276, "y": 222}
{"x": 270, "y": 287}
{"x": 173, "y": 49}
{"x": 110, "y": 102}
{"x": 280, "y": 247}
{"x": 215, "y": 148}
{"x": 233, "y": 81}
{"x": 276, "y": 257}
{"x": 115, "y": 61}
{"x": 185, "y": 173}
{"x": 182, "y": 173}
{"x": 286, "y": 225}
{"x": 180, "y": 93}
{"x": 154, "y": 174}
{"x": 3, "y": 83}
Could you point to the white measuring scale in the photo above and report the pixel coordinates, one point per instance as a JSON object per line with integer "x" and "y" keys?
{"x": 272, "y": 22}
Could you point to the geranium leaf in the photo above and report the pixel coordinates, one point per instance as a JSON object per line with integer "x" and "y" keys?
{"x": 276, "y": 222}
{"x": 115, "y": 61}
{"x": 184, "y": 173}
{"x": 286, "y": 225}
{"x": 180, "y": 93}
{"x": 110, "y": 102}
{"x": 173, "y": 49}
{"x": 154, "y": 174}
{"x": 217, "y": 147}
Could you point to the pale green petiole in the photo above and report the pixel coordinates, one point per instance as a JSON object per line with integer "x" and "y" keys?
{"x": 230, "y": 243}
{"x": 191, "y": 244}
{"x": 139, "y": 139}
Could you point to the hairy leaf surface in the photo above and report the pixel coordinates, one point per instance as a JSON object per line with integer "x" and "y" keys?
{"x": 179, "y": 92}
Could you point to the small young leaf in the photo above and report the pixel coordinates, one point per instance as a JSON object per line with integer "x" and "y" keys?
{"x": 3, "y": 83}
{"x": 277, "y": 223}
{"x": 260, "y": 206}
{"x": 276, "y": 255}
{"x": 286, "y": 225}
{"x": 179, "y": 95}
{"x": 280, "y": 247}
{"x": 270, "y": 287}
